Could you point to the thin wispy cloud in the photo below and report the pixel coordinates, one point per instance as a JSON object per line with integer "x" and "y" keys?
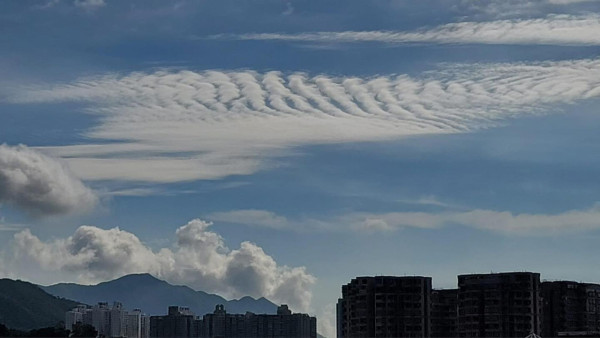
{"x": 8, "y": 227}
{"x": 501, "y": 222}
{"x": 253, "y": 217}
{"x": 89, "y": 4}
{"x": 551, "y": 30}
{"x": 179, "y": 126}
{"x": 520, "y": 8}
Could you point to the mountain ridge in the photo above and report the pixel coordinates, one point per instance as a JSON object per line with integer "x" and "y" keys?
{"x": 153, "y": 296}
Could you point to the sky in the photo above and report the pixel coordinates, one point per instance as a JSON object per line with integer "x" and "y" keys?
{"x": 280, "y": 148}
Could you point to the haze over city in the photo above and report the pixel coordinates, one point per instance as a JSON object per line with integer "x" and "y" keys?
{"x": 279, "y": 149}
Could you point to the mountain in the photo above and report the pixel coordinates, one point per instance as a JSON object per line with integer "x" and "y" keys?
{"x": 25, "y": 306}
{"x": 153, "y": 296}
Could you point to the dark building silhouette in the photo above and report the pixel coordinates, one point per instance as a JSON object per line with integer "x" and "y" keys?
{"x": 444, "y": 313}
{"x": 385, "y": 306}
{"x": 284, "y": 324}
{"x": 499, "y": 304}
{"x": 179, "y": 322}
{"x": 571, "y": 309}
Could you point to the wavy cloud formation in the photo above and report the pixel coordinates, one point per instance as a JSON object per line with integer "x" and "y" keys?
{"x": 184, "y": 125}
{"x": 40, "y": 184}
{"x": 551, "y": 30}
{"x": 199, "y": 259}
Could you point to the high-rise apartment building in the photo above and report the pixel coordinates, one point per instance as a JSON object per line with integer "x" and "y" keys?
{"x": 444, "y": 313}
{"x": 101, "y": 319}
{"x": 81, "y": 314}
{"x": 117, "y": 320}
{"x": 385, "y": 306}
{"x": 179, "y": 322}
{"x": 110, "y": 321}
{"x": 499, "y": 304}
{"x": 571, "y": 309}
{"x": 133, "y": 324}
{"x": 283, "y": 324}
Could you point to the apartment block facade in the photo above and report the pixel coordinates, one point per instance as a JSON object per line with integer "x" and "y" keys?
{"x": 444, "y": 313}
{"x": 110, "y": 321}
{"x": 499, "y": 304}
{"x": 180, "y": 322}
{"x": 484, "y": 305}
{"x": 385, "y": 306}
{"x": 571, "y": 309}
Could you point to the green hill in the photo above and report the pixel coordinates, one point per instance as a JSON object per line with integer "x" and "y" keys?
{"x": 25, "y": 306}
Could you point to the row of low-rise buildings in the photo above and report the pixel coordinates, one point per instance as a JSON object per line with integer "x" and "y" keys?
{"x": 112, "y": 321}
{"x": 514, "y": 304}
{"x": 181, "y": 322}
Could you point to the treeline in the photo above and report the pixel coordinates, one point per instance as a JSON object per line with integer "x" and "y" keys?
{"x": 79, "y": 330}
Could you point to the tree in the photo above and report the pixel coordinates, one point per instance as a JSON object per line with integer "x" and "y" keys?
{"x": 49, "y": 332}
{"x": 3, "y": 331}
{"x": 84, "y": 330}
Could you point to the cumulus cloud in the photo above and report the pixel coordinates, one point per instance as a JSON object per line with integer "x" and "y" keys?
{"x": 171, "y": 126}
{"x": 40, "y": 184}
{"x": 490, "y": 220}
{"x": 551, "y": 30}
{"x": 199, "y": 258}
{"x": 326, "y": 325}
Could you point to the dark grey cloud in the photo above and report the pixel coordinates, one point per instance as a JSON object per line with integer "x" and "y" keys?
{"x": 39, "y": 184}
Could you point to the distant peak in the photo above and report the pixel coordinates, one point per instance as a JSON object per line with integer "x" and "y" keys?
{"x": 138, "y": 277}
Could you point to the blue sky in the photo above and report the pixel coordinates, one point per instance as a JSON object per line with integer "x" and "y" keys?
{"x": 280, "y": 148}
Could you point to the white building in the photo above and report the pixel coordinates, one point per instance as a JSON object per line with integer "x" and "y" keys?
{"x": 145, "y": 328}
{"x": 137, "y": 324}
{"x": 113, "y": 322}
{"x": 101, "y": 319}
{"x": 81, "y": 314}
{"x": 134, "y": 324}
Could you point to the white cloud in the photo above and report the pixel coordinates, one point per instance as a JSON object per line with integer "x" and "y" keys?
{"x": 252, "y": 217}
{"x": 490, "y": 220}
{"x": 519, "y": 8}
{"x": 40, "y": 184}
{"x": 289, "y": 9}
{"x": 199, "y": 259}
{"x": 568, "y": 2}
{"x": 551, "y": 30}
{"x": 326, "y": 325}
{"x": 184, "y": 125}
{"x": 89, "y": 4}
{"x": 504, "y": 222}
{"x": 4, "y": 226}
